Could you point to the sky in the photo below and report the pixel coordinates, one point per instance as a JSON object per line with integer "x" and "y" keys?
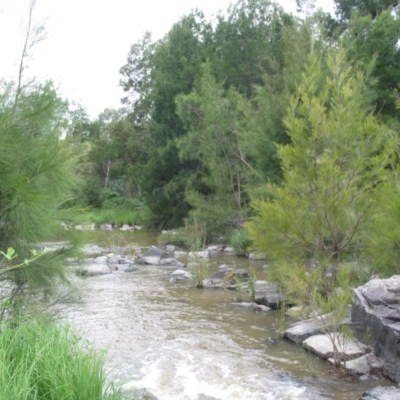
{"x": 87, "y": 41}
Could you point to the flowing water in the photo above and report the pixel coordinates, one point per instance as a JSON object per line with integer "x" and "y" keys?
{"x": 182, "y": 343}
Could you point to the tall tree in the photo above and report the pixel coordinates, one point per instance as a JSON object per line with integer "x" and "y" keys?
{"x": 332, "y": 168}
{"x": 170, "y": 67}
{"x": 373, "y": 44}
{"x": 372, "y": 8}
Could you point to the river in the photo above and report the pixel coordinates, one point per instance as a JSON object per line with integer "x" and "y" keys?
{"x": 182, "y": 343}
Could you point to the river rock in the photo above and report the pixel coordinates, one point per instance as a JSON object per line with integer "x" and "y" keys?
{"x": 382, "y": 393}
{"x": 180, "y": 274}
{"x": 93, "y": 249}
{"x": 94, "y": 269}
{"x": 101, "y": 260}
{"x": 215, "y": 248}
{"x": 156, "y": 256}
{"x": 268, "y": 293}
{"x": 87, "y": 227}
{"x": 375, "y": 315}
{"x": 364, "y": 365}
{"x": 322, "y": 346}
{"x": 254, "y": 256}
{"x": 252, "y": 306}
{"x": 200, "y": 254}
{"x": 126, "y": 227}
{"x": 178, "y": 253}
{"x": 170, "y": 247}
{"x": 229, "y": 250}
{"x": 225, "y": 278}
{"x": 106, "y": 227}
{"x": 302, "y": 330}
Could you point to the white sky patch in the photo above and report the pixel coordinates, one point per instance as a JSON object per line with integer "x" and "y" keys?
{"x": 88, "y": 41}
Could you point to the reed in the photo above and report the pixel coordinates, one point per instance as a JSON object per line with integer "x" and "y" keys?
{"x": 41, "y": 360}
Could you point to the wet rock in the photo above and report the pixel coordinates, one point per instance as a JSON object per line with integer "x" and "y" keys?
{"x": 106, "y": 227}
{"x": 247, "y": 306}
{"x": 101, "y": 260}
{"x": 127, "y": 228}
{"x": 87, "y": 227}
{"x": 268, "y": 293}
{"x": 262, "y": 308}
{"x": 215, "y": 248}
{"x": 170, "y": 247}
{"x": 178, "y": 253}
{"x": 225, "y": 267}
{"x": 254, "y": 256}
{"x": 130, "y": 269}
{"x": 322, "y": 346}
{"x": 382, "y": 393}
{"x": 180, "y": 274}
{"x": 375, "y": 315}
{"x": 229, "y": 250}
{"x": 156, "y": 256}
{"x": 252, "y": 306}
{"x": 226, "y": 278}
{"x": 367, "y": 364}
{"x": 302, "y": 330}
{"x": 94, "y": 269}
{"x": 200, "y": 254}
{"x": 113, "y": 259}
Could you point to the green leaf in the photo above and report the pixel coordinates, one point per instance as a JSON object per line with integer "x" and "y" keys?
{"x": 10, "y": 252}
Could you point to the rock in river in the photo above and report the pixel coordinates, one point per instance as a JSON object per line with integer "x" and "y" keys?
{"x": 375, "y": 316}
{"x": 156, "y": 256}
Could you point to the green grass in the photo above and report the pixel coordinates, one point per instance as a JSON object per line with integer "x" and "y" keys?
{"x": 43, "y": 361}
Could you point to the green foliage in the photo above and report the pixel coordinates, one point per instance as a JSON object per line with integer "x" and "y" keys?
{"x": 240, "y": 241}
{"x": 195, "y": 234}
{"x": 337, "y": 159}
{"x": 199, "y": 269}
{"x": 39, "y": 182}
{"x": 372, "y": 42}
{"x": 345, "y": 8}
{"x": 40, "y": 360}
{"x": 383, "y": 242}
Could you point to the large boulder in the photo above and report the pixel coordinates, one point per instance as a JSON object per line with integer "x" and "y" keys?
{"x": 375, "y": 316}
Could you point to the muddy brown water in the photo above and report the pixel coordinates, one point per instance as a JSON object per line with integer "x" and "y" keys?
{"x": 182, "y": 343}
